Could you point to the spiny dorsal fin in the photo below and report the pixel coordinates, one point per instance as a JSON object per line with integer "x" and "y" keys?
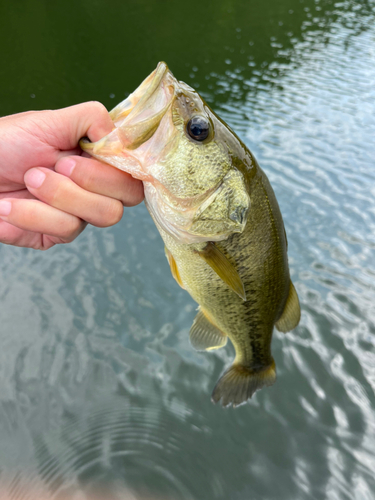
{"x": 173, "y": 266}
{"x": 292, "y": 312}
{"x": 204, "y": 335}
{"x": 223, "y": 268}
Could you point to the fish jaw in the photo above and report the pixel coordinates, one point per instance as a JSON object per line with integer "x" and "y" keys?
{"x": 135, "y": 121}
{"x": 137, "y": 100}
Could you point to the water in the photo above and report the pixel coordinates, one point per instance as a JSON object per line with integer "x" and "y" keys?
{"x": 100, "y": 391}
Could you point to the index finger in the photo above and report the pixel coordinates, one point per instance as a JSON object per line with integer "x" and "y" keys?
{"x": 89, "y": 119}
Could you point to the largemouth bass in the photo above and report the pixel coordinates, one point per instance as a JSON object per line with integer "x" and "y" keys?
{"x": 220, "y": 221}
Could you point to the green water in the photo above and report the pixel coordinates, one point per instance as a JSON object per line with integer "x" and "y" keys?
{"x": 100, "y": 390}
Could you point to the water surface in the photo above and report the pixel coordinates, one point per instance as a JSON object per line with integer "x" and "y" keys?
{"x": 99, "y": 387}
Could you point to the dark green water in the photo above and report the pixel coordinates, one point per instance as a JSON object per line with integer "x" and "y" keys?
{"x": 99, "y": 387}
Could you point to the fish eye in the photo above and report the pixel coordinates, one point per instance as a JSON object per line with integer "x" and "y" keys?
{"x": 198, "y": 128}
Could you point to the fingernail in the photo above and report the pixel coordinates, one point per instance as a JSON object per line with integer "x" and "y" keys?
{"x": 34, "y": 178}
{"x": 65, "y": 166}
{"x": 5, "y": 207}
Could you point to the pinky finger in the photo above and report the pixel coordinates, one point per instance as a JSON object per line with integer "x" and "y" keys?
{"x": 38, "y": 217}
{"x": 12, "y": 235}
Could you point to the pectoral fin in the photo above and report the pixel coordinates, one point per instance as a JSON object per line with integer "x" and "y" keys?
{"x": 292, "y": 312}
{"x": 204, "y": 335}
{"x": 223, "y": 268}
{"x": 173, "y": 266}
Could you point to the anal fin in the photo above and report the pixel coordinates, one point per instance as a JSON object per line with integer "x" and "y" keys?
{"x": 204, "y": 335}
{"x": 291, "y": 314}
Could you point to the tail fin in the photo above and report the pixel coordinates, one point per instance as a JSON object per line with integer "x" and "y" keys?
{"x": 239, "y": 383}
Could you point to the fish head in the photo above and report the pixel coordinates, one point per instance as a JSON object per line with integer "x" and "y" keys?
{"x": 167, "y": 136}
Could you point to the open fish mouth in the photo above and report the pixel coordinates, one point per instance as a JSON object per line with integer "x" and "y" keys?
{"x": 142, "y": 99}
{"x": 137, "y": 117}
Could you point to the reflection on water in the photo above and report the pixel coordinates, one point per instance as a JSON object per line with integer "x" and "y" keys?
{"x": 111, "y": 446}
{"x": 100, "y": 389}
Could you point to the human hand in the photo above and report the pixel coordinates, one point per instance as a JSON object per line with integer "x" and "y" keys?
{"x": 48, "y": 190}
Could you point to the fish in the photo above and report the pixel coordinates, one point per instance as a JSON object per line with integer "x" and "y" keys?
{"x": 219, "y": 219}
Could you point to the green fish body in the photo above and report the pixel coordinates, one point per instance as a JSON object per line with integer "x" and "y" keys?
{"x": 220, "y": 221}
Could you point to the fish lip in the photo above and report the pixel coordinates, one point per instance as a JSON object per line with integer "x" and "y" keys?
{"x": 161, "y": 72}
{"x": 138, "y": 117}
{"x": 156, "y": 82}
{"x": 161, "y": 78}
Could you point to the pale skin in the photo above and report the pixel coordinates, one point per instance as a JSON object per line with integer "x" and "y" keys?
{"x": 49, "y": 189}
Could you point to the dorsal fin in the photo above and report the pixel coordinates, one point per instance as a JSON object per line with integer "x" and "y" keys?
{"x": 223, "y": 268}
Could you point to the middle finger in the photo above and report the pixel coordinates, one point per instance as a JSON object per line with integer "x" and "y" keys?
{"x": 101, "y": 178}
{"x": 61, "y": 192}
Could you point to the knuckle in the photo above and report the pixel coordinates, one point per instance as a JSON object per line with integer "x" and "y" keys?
{"x": 98, "y": 107}
{"x": 86, "y": 176}
{"x": 33, "y": 210}
{"x": 134, "y": 196}
{"x": 70, "y": 231}
{"x": 54, "y": 196}
{"x": 98, "y": 121}
{"x": 113, "y": 214}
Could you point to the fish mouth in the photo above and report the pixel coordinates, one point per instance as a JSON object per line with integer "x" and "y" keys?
{"x": 152, "y": 97}
{"x": 135, "y": 120}
{"x": 138, "y": 117}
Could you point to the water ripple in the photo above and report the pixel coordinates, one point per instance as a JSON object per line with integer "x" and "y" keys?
{"x": 100, "y": 389}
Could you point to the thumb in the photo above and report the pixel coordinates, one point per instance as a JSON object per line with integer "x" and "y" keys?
{"x": 89, "y": 119}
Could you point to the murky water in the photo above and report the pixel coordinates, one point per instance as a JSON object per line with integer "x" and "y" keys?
{"x": 99, "y": 387}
